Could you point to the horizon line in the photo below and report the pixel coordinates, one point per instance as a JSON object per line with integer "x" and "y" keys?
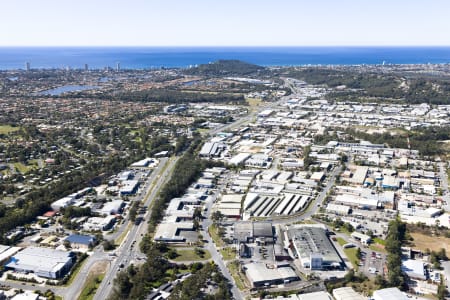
{"x": 225, "y": 46}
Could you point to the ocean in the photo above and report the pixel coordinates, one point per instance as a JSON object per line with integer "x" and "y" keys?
{"x": 157, "y": 57}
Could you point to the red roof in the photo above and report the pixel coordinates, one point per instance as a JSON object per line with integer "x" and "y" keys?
{"x": 50, "y": 213}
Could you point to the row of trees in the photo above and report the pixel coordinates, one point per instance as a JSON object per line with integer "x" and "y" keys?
{"x": 395, "y": 238}
{"x": 187, "y": 169}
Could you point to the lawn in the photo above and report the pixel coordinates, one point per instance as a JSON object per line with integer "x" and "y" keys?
{"x": 91, "y": 286}
{"x": 22, "y": 168}
{"x": 351, "y": 254}
{"x": 215, "y": 235}
{"x": 121, "y": 237}
{"x": 191, "y": 255}
{"x": 341, "y": 241}
{"x": 233, "y": 267}
{"x": 377, "y": 247}
{"x": 228, "y": 253}
{"x": 379, "y": 241}
{"x": 5, "y": 129}
{"x": 253, "y": 102}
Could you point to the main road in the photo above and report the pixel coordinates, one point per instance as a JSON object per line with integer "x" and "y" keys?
{"x": 128, "y": 250}
{"x": 215, "y": 255}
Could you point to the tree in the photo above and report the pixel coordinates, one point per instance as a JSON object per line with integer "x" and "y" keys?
{"x": 67, "y": 244}
{"x": 442, "y": 290}
{"x": 217, "y": 216}
{"x": 358, "y": 253}
{"x": 108, "y": 245}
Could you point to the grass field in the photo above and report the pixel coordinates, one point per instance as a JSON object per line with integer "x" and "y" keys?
{"x": 22, "y": 168}
{"x": 93, "y": 281}
{"x": 5, "y": 129}
{"x": 91, "y": 286}
{"x": 228, "y": 253}
{"x": 378, "y": 248}
{"x": 190, "y": 255}
{"x": 423, "y": 242}
{"x": 341, "y": 241}
{"x": 379, "y": 241}
{"x": 351, "y": 254}
{"x": 233, "y": 267}
{"x": 215, "y": 236}
{"x": 253, "y": 102}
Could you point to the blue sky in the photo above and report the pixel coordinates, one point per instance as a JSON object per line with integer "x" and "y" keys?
{"x": 224, "y": 23}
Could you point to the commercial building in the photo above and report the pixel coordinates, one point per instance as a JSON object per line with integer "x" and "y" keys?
{"x": 43, "y": 262}
{"x": 260, "y": 274}
{"x": 82, "y": 242}
{"x": 389, "y": 294}
{"x": 112, "y": 207}
{"x": 129, "y": 187}
{"x": 310, "y": 243}
{"x": 172, "y": 232}
{"x": 27, "y": 295}
{"x": 363, "y": 238}
{"x": 415, "y": 269}
{"x": 247, "y": 231}
{"x": 99, "y": 224}
{"x": 6, "y": 252}
{"x": 346, "y": 293}
{"x": 315, "y": 296}
{"x": 211, "y": 149}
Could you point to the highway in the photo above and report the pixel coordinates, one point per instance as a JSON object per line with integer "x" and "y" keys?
{"x": 215, "y": 255}
{"x": 444, "y": 184}
{"x": 128, "y": 250}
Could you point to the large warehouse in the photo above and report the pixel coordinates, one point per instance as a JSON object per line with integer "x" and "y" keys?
{"x": 247, "y": 231}
{"x": 313, "y": 247}
{"x": 43, "y": 262}
{"x": 259, "y": 274}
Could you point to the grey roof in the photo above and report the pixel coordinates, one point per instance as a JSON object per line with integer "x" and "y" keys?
{"x": 309, "y": 240}
{"x": 389, "y": 294}
{"x": 259, "y": 272}
{"x": 247, "y": 229}
{"x": 81, "y": 239}
{"x": 40, "y": 260}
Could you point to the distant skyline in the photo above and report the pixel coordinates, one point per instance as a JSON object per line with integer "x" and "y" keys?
{"x": 225, "y": 23}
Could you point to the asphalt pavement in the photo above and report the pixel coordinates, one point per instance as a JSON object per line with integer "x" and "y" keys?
{"x": 129, "y": 249}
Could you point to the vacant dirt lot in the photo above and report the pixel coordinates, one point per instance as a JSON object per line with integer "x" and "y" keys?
{"x": 435, "y": 243}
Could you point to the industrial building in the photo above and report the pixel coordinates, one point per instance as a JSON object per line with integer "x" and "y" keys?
{"x": 315, "y": 296}
{"x": 415, "y": 269}
{"x": 363, "y": 238}
{"x": 211, "y": 149}
{"x": 260, "y": 274}
{"x": 99, "y": 224}
{"x": 43, "y": 262}
{"x": 248, "y": 232}
{"x": 6, "y": 252}
{"x": 389, "y": 294}
{"x": 111, "y": 207}
{"x": 310, "y": 243}
{"x": 82, "y": 242}
{"x": 129, "y": 187}
{"x": 346, "y": 293}
{"x": 172, "y": 232}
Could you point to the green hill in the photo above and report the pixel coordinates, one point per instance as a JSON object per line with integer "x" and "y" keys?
{"x": 225, "y": 68}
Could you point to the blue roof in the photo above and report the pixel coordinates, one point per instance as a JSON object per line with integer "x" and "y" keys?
{"x": 81, "y": 239}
